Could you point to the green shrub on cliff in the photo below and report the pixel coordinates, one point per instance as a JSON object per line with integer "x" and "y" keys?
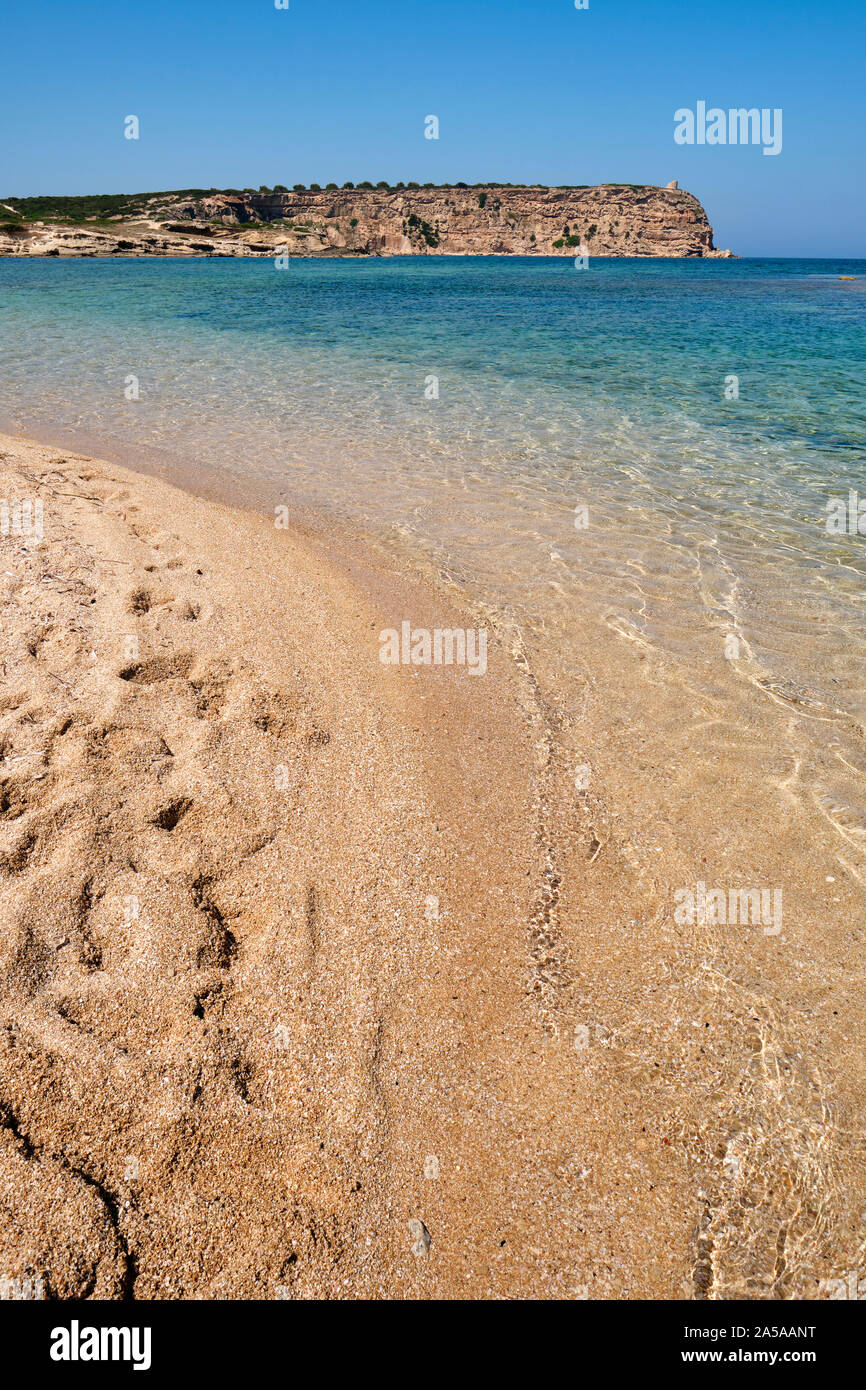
{"x": 417, "y": 224}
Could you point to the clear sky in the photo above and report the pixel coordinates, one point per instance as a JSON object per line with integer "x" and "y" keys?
{"x": 236, "y": 93}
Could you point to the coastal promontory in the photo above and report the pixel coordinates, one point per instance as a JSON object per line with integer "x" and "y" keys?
{"x": 459, "y": 220}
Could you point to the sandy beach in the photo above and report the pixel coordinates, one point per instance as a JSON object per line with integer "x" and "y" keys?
{"x": 320, "y": 979}
{"x": 264, "y": 917}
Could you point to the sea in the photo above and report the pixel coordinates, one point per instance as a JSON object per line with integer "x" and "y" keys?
{"x": 664, "y": 457}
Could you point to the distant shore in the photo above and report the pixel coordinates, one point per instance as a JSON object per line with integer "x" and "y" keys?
{"x": 605, "y": 220}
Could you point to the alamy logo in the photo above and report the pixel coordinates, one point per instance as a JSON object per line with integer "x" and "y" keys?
{"x": 22, "y": 518}
{"x": 736, "y": 126}
{"x": 738, "y": 907}
{"x": 76, "y": 1343}
{"x": 22, "y": 1290}
{"x": 854, "y": 1287}
{"x": 450, "y": 646}
{"x": 846, "y": 518}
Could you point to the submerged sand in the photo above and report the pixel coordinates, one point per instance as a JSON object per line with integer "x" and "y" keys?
{"x": 321, "y": 978}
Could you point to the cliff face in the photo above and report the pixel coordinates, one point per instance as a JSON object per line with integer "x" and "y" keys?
{"x": 607, "y": 220}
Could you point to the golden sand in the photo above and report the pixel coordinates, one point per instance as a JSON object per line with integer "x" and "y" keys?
{"x": 318, "y": 979}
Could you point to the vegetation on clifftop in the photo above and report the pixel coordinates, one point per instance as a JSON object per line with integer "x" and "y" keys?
{"x": 106, "y": 207}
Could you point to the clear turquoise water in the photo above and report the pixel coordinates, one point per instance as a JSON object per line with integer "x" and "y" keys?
{"x": 540, "y": 365}
{"x": 557, "y": 387}
{"x": 533, "y": 356}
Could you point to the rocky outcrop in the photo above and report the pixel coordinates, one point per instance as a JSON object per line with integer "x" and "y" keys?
{"x": 605, "y": 220}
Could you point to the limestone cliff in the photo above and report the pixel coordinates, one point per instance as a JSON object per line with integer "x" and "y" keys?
{"x": 605, "y": 220}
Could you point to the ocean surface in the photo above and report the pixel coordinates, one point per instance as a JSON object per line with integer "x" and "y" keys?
{"x": 646, "y": 446}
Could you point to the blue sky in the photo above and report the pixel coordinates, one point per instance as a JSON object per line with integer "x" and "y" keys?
{"x": 237, "y": 93}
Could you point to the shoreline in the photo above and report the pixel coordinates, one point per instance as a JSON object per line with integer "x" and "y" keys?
{"x": 176, "y": 255}
{"x": 300, "y": 947}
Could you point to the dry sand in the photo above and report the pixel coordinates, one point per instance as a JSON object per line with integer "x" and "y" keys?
{"x": 314, "y": 981}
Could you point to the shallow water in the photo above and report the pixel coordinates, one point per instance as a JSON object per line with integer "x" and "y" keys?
{"x": 558, "y": 388}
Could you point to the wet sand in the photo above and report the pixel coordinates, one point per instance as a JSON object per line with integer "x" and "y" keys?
{"x": 325, "y": 978}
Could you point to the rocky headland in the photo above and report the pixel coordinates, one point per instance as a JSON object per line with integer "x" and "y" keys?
{"x": 490, "y": 220}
